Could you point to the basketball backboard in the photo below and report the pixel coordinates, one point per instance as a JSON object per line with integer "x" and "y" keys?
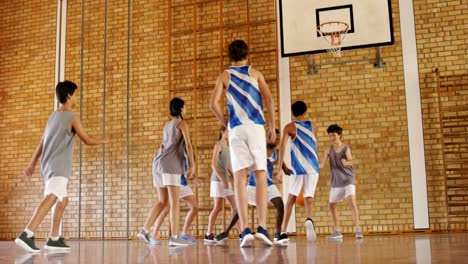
{"x": 370, "y": 24}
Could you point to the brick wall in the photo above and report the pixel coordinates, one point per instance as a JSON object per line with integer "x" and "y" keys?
{"x": 165, "y": 62}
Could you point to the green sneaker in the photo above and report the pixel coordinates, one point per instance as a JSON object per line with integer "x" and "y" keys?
{"x": 27, "y": 243}
{"x": 58, "y": 245}
{"x": 221, "y": 237}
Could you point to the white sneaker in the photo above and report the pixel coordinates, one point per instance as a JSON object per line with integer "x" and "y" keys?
{"x": 310, "y": 230}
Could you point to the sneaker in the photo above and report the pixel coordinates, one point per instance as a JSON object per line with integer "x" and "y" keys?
{"x": 335, "y": 235}
{"x": 155, "y": 242}
{"x": 282, "y": 240}
{"x": 178, "y": 242}
{"x": 359, "y": 233}
{"x": 246, "y": 238}
{"x": 263, "y": 235}
{"x": 27, "y": 243}
{"x": 143, "y": 236}
{"x": 310, "y": 230}
{"x": 276, "y": 237}
{"x": 58, "y": 245}
{"x": 210, "y": 238}
{"x": 221, "y": 237}
{"x": 188, "y": 238}
{"x": 63, "y": 241}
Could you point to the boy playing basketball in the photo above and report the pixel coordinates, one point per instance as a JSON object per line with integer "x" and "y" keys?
{"x": 342, "y": 179}
{"x": 56, "y": 149}
{"x": 305, "y": 167}
{"x": 245, "y": 87}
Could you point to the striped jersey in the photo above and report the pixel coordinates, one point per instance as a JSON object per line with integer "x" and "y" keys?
{"x": 244, "y": 98}
{"x": 270, "y": 160}
{"x": 304, "y": 159}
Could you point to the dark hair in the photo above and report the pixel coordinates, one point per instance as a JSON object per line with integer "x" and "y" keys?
{"x": 335, "y": 129}
{"x": 298, "y": 108}
{"x": 238, "y": 50}
{"x": 63, "y": 89}
{"x": 221, "y": 131}
{"x": 176, "y": 106}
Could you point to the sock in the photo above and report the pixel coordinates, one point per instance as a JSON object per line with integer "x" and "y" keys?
{"x": 283, "y": 233}
{"x": 29, "y": 233}
{"x": 54, "y": 238}
{"x": 144, "y": 229}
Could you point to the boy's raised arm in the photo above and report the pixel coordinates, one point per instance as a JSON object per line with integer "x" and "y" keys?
{"x": 78, "y": 127}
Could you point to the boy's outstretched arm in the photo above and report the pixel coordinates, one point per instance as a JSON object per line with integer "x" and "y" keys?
{"x": 284, "y": 141}
{"x": 29, "y": 171}
{"x": 78, "y": 127}
{"x": 216, "y": 97}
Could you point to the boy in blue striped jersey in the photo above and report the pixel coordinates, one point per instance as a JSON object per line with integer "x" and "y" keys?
{"x": 304, "y": 167}
{"x": 245, "y": 87}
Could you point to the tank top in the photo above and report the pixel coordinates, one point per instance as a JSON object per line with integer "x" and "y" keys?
{"x": 58, "y": 145}
{"x": 244, "y": 98}
{"x": 169, "y": 158}
{"x": 224, "y": 162}
{"x": 270, "y": 169}
{"x": 341, "y": 175}
{"x": 304, "y": 158}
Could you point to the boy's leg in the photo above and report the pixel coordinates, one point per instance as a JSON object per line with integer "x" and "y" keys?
{"x": 261, "y": 199}
{"x": 57, "y": 216}
{"x": 157, "y": 208}
{"x": 309, "y": 206}
{"x": 332, "y": 207}
{"x": 174, "y": 210}
{"x": 279, "y": 205}
{"x": 240, "y": 181}
{"x": 160, "y": 220}
{"x": 287, "y": 214}
{"x": 354, "y": 210}
{"x": 193, "y": 211}
{"x": 218, "y": 203}
{"x": 234, "y": 215}
{"x": 41, "y": 212}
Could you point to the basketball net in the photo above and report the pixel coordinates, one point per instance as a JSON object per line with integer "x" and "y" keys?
{"x": 333, "y": 33}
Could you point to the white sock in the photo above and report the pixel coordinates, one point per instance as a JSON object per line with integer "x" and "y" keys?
{"x": 29, "y": 233}
{"x": 54, "y": 238}
{"x": 146, "y": 231}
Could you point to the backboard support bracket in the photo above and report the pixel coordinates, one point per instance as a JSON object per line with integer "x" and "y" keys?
{"x": 313, "y": 67}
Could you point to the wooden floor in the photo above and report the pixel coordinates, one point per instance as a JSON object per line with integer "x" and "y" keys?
{"x": 406, "y": 248}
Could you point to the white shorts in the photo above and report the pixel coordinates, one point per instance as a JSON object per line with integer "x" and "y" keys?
{"x": 272, "y": 192}
{"x": 340, "y": 194}
{"x": 56, "y": 185}
{"x": 306, "y": 181}
{"x": 217, "y": 190}
{"x": 185, "y": 191}
{"x": 166, "y": 179}
{"x": 247, "y": 146}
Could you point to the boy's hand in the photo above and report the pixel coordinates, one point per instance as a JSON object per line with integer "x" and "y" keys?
{"x": 190, "y": 173}
{"x": 286, "y": 170}
{"x": 279, "y": 177}
{"x": 271, "y": 135}
{"x": 29, "y": 171}
{"x": 225, "y": 184}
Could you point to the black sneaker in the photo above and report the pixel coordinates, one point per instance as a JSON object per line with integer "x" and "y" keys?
{"x": 58, "y": 245}
{"x": 282, "y": 240}
{"x": 221, "y": 237}
{"x": 246, "y": 238}
{"x": 263, "y": 235}
{"x": 27, "y": 243}
{"x": 210, "y": 239}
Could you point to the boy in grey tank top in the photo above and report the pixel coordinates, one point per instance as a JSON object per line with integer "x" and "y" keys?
{"x": 56, "y": 149}
{"x": 342, "y": 179}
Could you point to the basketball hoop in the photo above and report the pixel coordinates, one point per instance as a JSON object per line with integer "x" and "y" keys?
{"x": 333, "y": 33}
